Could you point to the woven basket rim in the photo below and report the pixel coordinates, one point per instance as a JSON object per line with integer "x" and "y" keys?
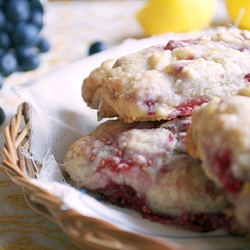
{"x": 85, "y": 232}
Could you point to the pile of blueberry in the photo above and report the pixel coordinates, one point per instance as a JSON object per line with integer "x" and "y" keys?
{"x": 20, "y": 42}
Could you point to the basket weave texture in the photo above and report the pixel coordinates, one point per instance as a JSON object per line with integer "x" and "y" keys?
{"x": 85, "y": 232}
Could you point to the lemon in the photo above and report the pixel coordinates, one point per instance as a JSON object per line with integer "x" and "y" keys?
{"x": 239, "y": 11}
{"x": 162, "y": 16}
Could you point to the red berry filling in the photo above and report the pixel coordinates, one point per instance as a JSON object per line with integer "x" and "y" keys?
{"x": 247, "y": 77}
{"x": 151, "y": 107}
{"x": 125, "y": 196}
{"x": 221, "y": 163}
{"x": 187, "y": 107}
{"x": 190, "y": 57}
{"x": 173, "y": 44}
{"x": 244, "y": 36}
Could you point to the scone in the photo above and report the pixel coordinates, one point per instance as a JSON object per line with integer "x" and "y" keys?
{"x": 165, "y": 81}
{"x": 145, "y": 166}
{"x": 91, "y": 88}
{"x": 220, "y": 137}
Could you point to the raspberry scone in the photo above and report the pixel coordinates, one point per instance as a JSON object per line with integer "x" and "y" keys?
{"x": 164, "y": 81}
{"x": 92, "y": 86}
{"x": 220, "y": 137}
{"x": 144, "y": 166}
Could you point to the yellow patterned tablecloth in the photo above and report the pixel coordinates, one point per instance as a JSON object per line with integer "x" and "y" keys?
{"x": 70, "y": 26}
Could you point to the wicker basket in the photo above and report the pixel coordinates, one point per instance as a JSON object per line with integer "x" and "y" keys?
{"x": 85, "y": 232}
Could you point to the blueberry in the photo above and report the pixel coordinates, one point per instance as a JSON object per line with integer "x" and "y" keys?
{"x": 24, "y": 33}
{"x": 2, "y": 116}
{"x": 36, "y": 4}
{"x": 97, "y": 47}
{"x": 2, "y": 19}
{"x": 30, "y": 62}
{"x": 83, "y": 191}
{"x": 20, "y": 42}
{"x": 2, "y": 3}
{"x": 1, "y": 80}
{"x": 9, "y": 27}
{"x": 2, "y": 52}
{"x": 37, "y": 18}
{"x": 42, "y": 44}
{"x": 4, "y": 40}
{"x": 17, "y": 10}
{"x": 8, "y": 63}
{"x": 23, "y": 51}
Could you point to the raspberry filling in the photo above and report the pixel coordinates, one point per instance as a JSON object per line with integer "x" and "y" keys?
{"x": 221, "y": 164}
{"x": 187, "y": 107}
{"x": 247, "y": 77}
{"x": 151, "y": 107}
{"x": 173, "y": 44}
{"x": 126, "y": 197}
{"x": 184, "y": 109}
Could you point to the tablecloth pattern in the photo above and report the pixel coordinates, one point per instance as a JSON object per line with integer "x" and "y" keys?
{"x": 70, "y": 26}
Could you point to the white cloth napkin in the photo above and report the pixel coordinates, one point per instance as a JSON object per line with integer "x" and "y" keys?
{"x": 59, "y": 117}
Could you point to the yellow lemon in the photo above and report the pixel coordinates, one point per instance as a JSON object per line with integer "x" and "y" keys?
{"x": 239, "y": 11}
{"x": 161, "y": 16}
